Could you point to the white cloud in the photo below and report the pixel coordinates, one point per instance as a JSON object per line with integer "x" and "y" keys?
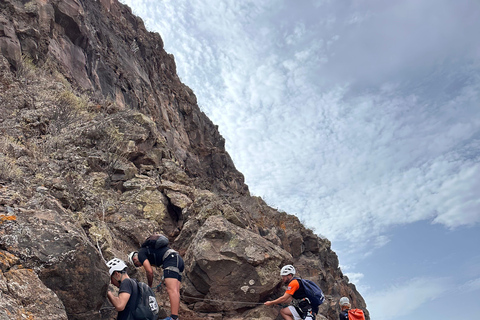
{"x": 356, "y": 116}
{"x": 289, "y": 97}
{"x": 400, "y": 39}
{"x": 404, "y": 299}
{"x": 354, "y": 277}
{"x": 461, "y": 203}
{"x": 372, "y": 167}
{"x": 470, "y": 286}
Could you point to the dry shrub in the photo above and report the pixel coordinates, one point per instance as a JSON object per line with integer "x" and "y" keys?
{"x": 31, "y": 7}
{"x": 109, "y": 141}
{"x": 9, "y": 171}
{"x": 26, "y": 69}
{"x": 66, "y": 110}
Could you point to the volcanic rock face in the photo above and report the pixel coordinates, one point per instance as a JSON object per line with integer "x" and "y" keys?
{"x": 228, "y": 261}
{"x": 101, "y": 145}
{"x": 66, "y": 262}
{"x": 25, "y": 286}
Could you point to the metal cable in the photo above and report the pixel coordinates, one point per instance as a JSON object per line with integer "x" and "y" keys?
{"x": 203, "y": 299}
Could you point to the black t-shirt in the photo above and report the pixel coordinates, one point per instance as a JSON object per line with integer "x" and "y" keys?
{"x": 154, "y": 256}
{"x": 344, "y": 315}
{"x": 130, "y": 286}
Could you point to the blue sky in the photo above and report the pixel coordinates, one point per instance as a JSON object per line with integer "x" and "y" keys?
{"x": 360, "y": 117}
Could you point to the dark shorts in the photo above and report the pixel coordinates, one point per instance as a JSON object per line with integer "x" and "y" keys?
{"x": 172, "y": 274}
{"x": 173, "y": 260}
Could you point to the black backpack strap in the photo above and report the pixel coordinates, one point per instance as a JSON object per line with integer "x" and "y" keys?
{"x": 132, "y": 311}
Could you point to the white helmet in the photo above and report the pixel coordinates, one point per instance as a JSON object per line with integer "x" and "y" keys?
{"x": 130, "y": 256}
{"x": 286, "y": 270}
{"x": 115, "y": 265}
{"x": 344, "y": 301}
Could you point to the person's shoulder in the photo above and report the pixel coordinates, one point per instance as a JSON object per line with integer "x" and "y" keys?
{"x": 129, "y": 282}
{"x": 142, "y": 254}
{"x": 127, "y": 285}
{"x": 294, "y": 284}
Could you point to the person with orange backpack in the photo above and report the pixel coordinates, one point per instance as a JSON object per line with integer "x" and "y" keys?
{"x": 349, "y": 314}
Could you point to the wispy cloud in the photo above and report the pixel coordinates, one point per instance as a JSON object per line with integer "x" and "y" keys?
{"x": 356, "y": 278}
{"x": 361, "y": 117}
{"x": 356, "y": 116}
{"x": 404, "y": 299}
{"x": 471, "y": 286}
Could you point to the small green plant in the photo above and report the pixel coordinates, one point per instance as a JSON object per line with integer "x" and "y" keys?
{"x": 31, "y": 7}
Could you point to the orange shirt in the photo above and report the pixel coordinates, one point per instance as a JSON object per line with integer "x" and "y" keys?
{"x": 292, "y": 287}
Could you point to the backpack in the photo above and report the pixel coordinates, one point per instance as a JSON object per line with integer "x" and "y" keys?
{"x": 356, "y": 314}
{"x": 146, "y": 306}
{"x": 155, "y": 241}
{"x": 314, "y": 294}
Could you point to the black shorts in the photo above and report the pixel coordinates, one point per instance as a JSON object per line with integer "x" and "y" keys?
{"x": 172, "y": 274}
{"x": 173, "y": 260}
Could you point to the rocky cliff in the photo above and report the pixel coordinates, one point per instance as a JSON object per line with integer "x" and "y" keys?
{"x": 102, "y": 145}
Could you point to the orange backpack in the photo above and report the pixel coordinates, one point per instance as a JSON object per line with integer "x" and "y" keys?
{"x": 356, "y": 314}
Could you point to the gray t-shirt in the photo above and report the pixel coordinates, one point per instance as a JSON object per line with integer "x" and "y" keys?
{"x": 130, "y": 286}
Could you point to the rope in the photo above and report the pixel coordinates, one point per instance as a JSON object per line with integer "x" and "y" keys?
{"x": 106, "y": 308}
{"x": 100, "y": 250}
{"x": 200, "y": 299}
{"x": 203, "y": 299}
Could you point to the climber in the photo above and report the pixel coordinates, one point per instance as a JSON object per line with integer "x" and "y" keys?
{"x": 172, "y": 264}
{"x": 301, "y": 308}
{"x": 347, "y": 313}
{"x": 125, "y": 303}
{"x": 344, "y": 306}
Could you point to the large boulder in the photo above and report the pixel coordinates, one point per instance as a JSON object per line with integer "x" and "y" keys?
{"x": 58, "y": 252}
{"x": 232, "y": 265}
{"x": 9, "y": 44}
{"x": 23, "y": 293}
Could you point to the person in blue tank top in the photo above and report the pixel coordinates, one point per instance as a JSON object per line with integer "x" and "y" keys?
{"x": 301, "y": 310}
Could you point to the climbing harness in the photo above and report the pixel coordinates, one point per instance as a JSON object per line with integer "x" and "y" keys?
{"x": 167, "y": 253}
{"x": 172, "y": 268}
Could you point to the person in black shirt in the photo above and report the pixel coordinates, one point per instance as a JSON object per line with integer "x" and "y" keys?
{"x": 124, "y": 303}
{"x": 344, "y": 306}
{"x": 173, "y": 266}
